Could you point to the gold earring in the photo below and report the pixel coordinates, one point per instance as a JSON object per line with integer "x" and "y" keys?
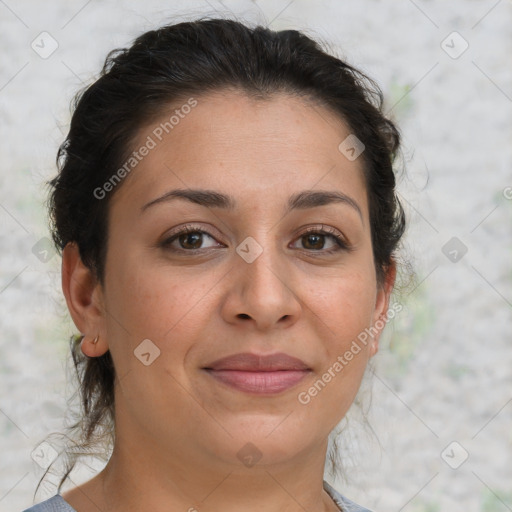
{"x": 95, "y": 340}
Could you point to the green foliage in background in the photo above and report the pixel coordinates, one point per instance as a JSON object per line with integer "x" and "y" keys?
{"x": 496, "y": 501}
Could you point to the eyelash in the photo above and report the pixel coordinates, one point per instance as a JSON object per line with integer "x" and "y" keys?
{"x": 326, "y": 231}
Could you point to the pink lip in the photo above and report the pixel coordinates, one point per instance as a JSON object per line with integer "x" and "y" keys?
{"x": 248, "y": 361}
{"x": 259, "y": 374}
{"x": 259, "y": 382}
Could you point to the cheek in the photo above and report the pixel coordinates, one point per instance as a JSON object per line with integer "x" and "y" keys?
{"x": 345, "y": 303}
{"x": 346, "y": 311}
{"x": 146, "y": 303}
{"x": 346, "y": 355}
{"x": 157, "y": 303}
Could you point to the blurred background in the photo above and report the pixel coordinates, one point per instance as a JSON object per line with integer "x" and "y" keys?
{"x": 439, "y": 432}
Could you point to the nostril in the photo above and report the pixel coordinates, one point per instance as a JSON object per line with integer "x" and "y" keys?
{"x": 244, "y": 315}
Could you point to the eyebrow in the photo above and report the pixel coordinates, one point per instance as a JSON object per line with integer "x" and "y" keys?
{"x": 299, "y": 201}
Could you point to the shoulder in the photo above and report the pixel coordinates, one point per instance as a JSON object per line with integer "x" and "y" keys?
{"x": 58, "y": 504}
{"x": 53, "y": 504}
{"x": 345, "y": 504}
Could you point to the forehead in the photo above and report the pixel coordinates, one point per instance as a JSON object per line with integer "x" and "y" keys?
{"x": 228, "y": 140}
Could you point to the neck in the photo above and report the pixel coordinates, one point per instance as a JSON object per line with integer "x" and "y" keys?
{"x": 145, "y": 478}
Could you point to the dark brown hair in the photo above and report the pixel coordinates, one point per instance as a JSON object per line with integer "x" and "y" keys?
{"x": 193, "y": 58}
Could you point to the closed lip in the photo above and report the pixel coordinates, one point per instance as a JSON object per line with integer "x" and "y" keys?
{"x": 250, "y": 362}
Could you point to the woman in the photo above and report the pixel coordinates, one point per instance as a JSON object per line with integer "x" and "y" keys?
{"x": 226, "y": 211}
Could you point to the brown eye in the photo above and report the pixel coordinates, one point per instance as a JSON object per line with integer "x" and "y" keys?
{"x": 314, "y": 240}
{"x": 189, "y": 239}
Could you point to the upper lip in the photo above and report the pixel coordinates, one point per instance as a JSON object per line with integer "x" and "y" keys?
{"x": 247, "y": 361}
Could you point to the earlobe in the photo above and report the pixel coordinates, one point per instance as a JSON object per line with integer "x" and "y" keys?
{"x": 84, "y": 300}
{"x": 91, "y": 347}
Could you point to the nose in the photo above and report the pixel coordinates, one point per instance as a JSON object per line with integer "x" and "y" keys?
{"x": 262, "y": 293}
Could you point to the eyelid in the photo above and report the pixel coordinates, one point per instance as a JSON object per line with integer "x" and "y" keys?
{"x": 189, "y": 228}
{"x": 326, "y": 229}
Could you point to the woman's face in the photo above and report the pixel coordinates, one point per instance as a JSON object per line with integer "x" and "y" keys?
{"x": 260, "y": 272}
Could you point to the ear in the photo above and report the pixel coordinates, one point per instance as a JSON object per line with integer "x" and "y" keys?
{"x": 84, "y": 297}
{"x": 382, "y": 307}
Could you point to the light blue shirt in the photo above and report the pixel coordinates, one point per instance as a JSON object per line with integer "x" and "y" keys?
{"x": 58, "y": 504}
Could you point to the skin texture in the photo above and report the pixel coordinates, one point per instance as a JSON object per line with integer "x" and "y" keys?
{"x": 178, "y": 431}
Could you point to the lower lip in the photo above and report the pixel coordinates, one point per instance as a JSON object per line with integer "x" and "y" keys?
{"x": 262, "y": 383}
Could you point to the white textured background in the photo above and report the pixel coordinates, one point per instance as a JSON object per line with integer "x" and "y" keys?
{"x": 444, "y": 371}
